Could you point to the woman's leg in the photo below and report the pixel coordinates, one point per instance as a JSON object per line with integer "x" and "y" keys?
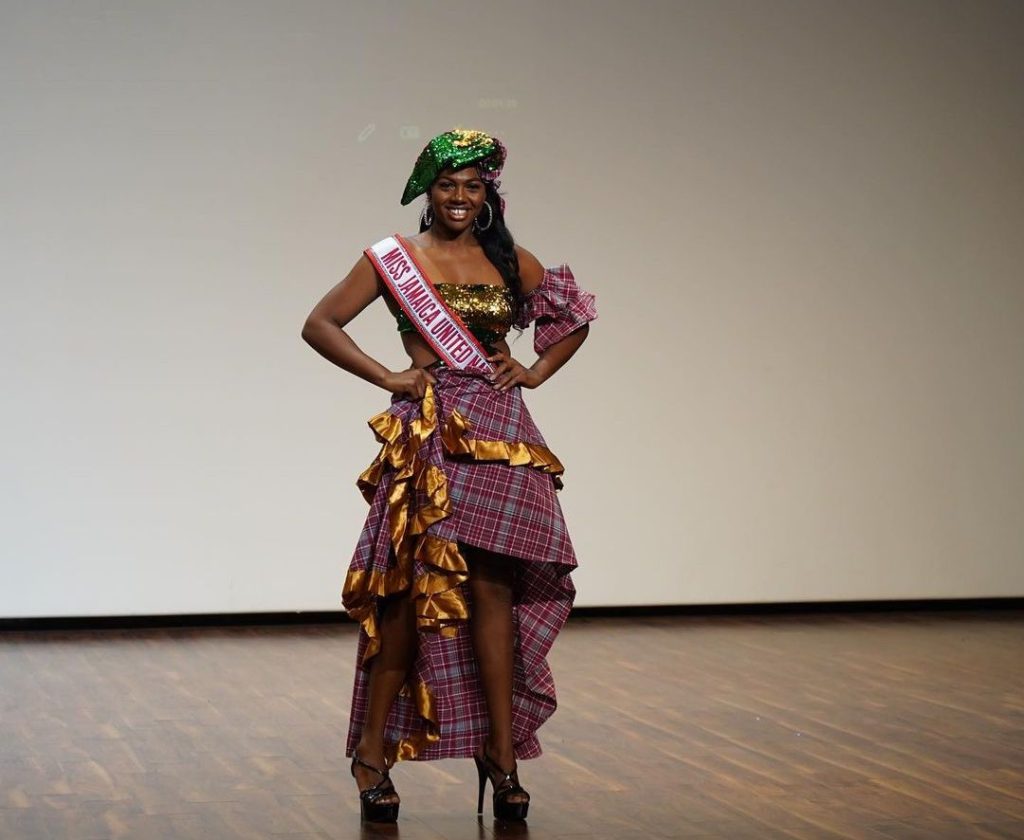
{"x": 492, "y": 632}
{"x": 388, "y": 671}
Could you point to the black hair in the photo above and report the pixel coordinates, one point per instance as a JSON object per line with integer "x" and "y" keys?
{"x": 498, "y": 244}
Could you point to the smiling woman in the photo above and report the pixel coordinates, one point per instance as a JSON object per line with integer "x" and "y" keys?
{"x": 459, "y": 194}
{"x": 461, "y": 577}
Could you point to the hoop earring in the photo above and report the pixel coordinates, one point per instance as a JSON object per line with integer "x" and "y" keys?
{"x": 490, "y": 218}
{"x": 427, "y": 216}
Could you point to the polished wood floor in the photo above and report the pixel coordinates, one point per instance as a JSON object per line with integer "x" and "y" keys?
{"x": 901, "y": 725}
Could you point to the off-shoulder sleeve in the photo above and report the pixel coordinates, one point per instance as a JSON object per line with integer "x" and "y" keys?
{"x": 558, "y": 306}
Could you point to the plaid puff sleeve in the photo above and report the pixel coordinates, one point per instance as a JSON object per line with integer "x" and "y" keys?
{"x": 558, "y": 306}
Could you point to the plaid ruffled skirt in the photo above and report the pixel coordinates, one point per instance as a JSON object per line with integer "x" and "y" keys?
{"x": 464, "y": 466}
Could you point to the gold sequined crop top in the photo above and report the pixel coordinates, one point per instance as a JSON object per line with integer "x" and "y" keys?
{"x": 485, "y": 308}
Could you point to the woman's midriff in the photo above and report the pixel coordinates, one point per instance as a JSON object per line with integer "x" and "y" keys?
{"x": 422, "y": 356}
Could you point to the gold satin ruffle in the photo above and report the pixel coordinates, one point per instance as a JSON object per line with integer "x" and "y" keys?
{"x": 436, "y": 597}
{"x": 436, "y": 594}
{"x": 456, "y": 442}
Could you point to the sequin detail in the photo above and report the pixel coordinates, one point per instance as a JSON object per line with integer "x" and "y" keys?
{"x": 485, "y": 308}
{"x": 456, "y": 148}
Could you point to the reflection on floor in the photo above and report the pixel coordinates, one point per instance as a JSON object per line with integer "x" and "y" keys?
{"x": 883, "y": 725}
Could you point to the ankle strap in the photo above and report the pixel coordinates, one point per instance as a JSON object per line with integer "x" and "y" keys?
{"x": 492, "y": 764}
{"x": 357, "y": 760}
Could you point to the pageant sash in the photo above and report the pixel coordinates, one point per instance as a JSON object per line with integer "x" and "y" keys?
{"x": 442, "y": 328}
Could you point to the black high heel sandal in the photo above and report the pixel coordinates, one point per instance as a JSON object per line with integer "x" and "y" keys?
{"x": 509, "y": 785}
{"x": 370, "y": 810}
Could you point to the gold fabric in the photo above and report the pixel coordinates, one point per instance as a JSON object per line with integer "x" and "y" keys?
{"x": 408, "y": 748}
{"x": 486, "y": 309}
{"x": 437, "y": 598}
{"x": 516, "y": 453}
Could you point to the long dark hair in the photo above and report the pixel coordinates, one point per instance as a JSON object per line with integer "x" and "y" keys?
{"x": 498, "y": 244}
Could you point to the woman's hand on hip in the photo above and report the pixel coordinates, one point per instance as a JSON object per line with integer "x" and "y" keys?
{"x": 509, "y": 372}
{"x": 411, "y": 384}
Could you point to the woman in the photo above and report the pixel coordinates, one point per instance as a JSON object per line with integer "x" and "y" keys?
{"x": 461, "y": 577}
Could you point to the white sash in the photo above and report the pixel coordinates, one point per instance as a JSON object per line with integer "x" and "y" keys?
{"x": 423, "y": 306}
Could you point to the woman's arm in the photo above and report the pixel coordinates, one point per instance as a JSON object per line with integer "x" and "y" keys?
{"x": 324, "y": 332}
{"x": 531, "y": 272}
{"x": 510, "y": 372}
{"x": 556, "y": 355}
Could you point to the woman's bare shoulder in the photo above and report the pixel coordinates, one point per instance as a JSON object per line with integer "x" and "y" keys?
{"x": 531, "y": 272}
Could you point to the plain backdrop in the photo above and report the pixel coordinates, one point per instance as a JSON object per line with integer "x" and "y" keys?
{"x": 802, "y": 221}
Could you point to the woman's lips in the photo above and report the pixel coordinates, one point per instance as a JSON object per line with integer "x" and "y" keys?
{"x": 458, "y": 213}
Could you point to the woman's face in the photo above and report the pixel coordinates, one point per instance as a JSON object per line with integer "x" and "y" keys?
{"x": 457, "y": 198}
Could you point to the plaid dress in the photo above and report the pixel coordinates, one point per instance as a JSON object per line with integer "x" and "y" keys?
{"x": 466, "y": 465}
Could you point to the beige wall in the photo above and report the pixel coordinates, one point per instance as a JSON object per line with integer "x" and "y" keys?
{"x": 801, "y": 219}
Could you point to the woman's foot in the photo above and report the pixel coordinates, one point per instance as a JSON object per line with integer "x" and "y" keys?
{"x": 510, "y": 799}
{"x": 502, "y": 762}
{"x": 378, "y": 798}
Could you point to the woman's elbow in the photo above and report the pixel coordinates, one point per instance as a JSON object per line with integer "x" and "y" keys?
{"x": 310, "y": 329}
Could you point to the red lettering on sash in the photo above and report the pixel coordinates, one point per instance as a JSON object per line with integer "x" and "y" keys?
{"x": 395, "y": 263}
{"x": 443, "y": 330}
{"x": 420, "y": 301}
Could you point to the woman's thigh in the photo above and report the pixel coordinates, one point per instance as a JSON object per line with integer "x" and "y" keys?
{"x": 491, "y": 575}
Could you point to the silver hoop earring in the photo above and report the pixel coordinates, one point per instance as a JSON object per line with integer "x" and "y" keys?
{"x": 490, "y": 218}
{"x": 427, "y": 216}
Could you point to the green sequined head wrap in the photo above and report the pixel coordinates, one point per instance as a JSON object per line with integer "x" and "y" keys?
{"x": 453, "y": 150}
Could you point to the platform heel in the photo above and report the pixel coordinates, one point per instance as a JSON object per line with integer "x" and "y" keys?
{"x": 509, "y": 785}
{"x": 370, "y": 809}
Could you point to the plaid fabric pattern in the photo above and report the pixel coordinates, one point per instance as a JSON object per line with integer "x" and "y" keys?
{"x": 558, "y": 306}
{"x": 511, "y": 510}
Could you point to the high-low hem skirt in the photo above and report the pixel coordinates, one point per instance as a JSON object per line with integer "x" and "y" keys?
{"x": 464, "y": 466}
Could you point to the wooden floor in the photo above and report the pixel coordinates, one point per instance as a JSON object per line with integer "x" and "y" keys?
{"x": 888, "y": 725}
